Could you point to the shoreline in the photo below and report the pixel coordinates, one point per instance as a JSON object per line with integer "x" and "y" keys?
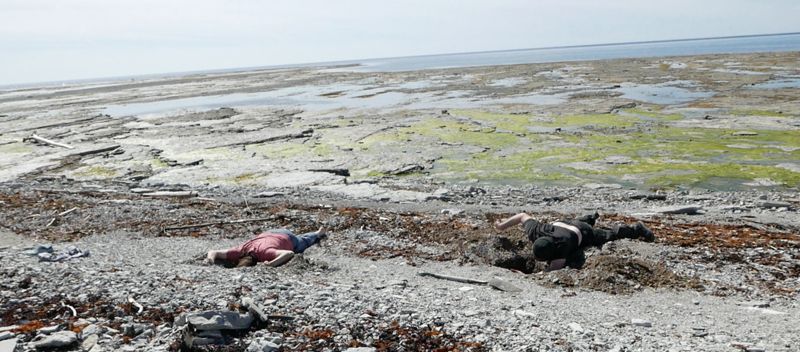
{"x": 410, "y": 169}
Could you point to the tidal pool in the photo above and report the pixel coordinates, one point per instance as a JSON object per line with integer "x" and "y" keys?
{"x": 790, "y": 82}
{"x": 663, "y": 94}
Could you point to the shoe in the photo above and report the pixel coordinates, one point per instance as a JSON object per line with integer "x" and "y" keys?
{"x": 590, "y": 218}
{"x": 644, "y": 233}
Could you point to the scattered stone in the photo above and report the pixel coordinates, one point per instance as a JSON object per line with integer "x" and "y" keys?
{"x": 575, "y": 327}
{"x": 49, "y": 329}
{"x": 744, "y": 133}
{"x": 360, "y": 349}
{"x": 262, "y": 345}
{"x": 641, "y": 322}
{"x": 269, "y": 194}
{"x": 5, "y": 335}
{"x": 55, "y": 340}
{"x": 89, "y": 342}
{"x": 452, "y": 211}
{"x": 649, "y": 196}
{"x": 216, "y": 320}
{"x": 740, "y": 345}
{"x": 503, "y": 285}
{"x": 754, "y": 304}
{"x": 254, "y": 309}
{"x": 8, "y": 345}
{"x": 768, "y": 205}
{"x": 470, "y": 313}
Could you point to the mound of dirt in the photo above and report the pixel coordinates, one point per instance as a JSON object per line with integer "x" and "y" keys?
{"x": 509, "y": 253}
{"x": 617, "y": 274}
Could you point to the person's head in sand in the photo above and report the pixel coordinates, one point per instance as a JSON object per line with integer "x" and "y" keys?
{"x": 274, "y": 248}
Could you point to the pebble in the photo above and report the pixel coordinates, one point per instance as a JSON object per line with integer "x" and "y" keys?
{"x": 575, "y": 327}
{"x": 641, "y": 322}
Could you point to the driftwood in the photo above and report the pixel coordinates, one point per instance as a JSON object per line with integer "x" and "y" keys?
{"x": 207, "y": 224}
{"x": 47, "y": 141}
{"x": 95, "y": 151}
{"x": 179, "y": 194}
{"x": 136, "y": 304}
{"x": 67, "y": 211}
{"x": 496, "y": 283}
{"x": 302, "y": 134}
{"x": 454, "y": 278}
{"x": 71, "y": 308}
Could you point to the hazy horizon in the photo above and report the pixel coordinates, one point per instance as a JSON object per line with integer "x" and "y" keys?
{"x": 51, "y": 41}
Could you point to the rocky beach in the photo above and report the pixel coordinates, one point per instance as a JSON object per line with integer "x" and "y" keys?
{"x": 112, "y": 192}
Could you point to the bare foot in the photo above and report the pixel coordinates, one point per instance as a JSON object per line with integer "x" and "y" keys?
{"x": 322, "y": 230}
{"x": 210, "y": 257}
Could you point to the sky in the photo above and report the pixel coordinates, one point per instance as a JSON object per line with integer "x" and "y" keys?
{"x": 55, "y": 40}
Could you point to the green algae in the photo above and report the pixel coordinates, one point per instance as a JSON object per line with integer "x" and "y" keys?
{"x": 756, "y": 112}
{"x": 157, "y": 163}
{"x": 596, "y": 120}
{"x": 245, "y": 177}
{"x": 520, "y": 123}
{"x": 15, "y": 148}
{"x": 705, "y": 154}
{"x": 690, "y": 174}
{"x": 654, "y": 114}
{"x": 444, "y": 130}
{"x": 508, "y": 122}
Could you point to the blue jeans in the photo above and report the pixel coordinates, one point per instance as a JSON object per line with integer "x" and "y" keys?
{"x": 300, "y": 243}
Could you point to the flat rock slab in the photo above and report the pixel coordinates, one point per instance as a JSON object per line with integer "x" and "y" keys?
{"x": 56, "y": 340}
{"x": 503, "y": 285}
{"x": 219, "y": 320}
{"x": 301, "y": 179}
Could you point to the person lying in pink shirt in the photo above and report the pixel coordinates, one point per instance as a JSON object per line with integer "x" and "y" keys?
{"x": 274, "y": 248}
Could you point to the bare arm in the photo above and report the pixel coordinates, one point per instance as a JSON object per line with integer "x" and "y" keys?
{"x": 214, "y": 255}
{"x": 520, "y": 218}
{"x": 283, "y": 257}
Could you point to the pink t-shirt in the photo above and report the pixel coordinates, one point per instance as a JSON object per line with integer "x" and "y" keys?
{"x": 264, "y": 247}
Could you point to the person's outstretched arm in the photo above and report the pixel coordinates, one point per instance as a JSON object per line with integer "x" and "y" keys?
{"x": 283, "y": 257}
{"x": 520, "y": 218}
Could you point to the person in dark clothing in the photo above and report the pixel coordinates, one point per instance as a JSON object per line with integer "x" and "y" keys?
{"x": 561, "y": 243}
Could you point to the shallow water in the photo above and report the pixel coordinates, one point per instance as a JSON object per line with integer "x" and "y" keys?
{"x": 663, "y": 94}
{"x": 780, "y": 83}
{"x": 770, "y": 43}
{"x": 330, "y": 97}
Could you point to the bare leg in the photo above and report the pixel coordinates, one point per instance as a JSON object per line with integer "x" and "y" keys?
{"x": 520, "y": 218}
